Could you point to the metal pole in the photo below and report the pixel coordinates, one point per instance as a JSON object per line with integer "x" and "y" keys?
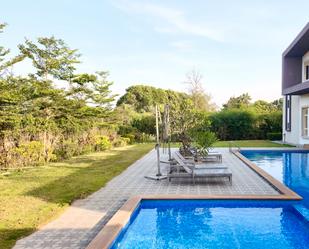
{"x": 158, "y": 142}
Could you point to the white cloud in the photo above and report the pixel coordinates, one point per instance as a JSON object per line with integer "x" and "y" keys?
{"x": 169, "y": 20}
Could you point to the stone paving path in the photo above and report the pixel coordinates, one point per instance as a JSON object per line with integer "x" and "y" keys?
{"x": 79, "y": 224}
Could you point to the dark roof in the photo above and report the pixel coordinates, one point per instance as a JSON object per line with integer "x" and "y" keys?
{"x": 300, "y": 44}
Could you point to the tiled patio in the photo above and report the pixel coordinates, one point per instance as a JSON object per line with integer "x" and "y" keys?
{"x": 78, "y": 225}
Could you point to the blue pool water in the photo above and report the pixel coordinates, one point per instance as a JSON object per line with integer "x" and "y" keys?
{"x": 220, "y": 224}
{"x": 290, "y": 168}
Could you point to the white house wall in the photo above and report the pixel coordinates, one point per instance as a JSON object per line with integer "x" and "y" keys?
{"x": 294, "y": 136}
{"x": 304, "y": 102}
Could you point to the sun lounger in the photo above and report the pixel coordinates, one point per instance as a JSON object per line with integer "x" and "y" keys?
{"x": 211, "y": 156}
{"x": 191, "y": 161}
{"x": 185, "y": 169}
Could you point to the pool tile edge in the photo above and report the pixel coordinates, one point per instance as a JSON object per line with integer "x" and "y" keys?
{"x": 285, "y": 192}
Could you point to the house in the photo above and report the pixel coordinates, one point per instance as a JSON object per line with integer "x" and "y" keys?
{"x": 295, "y": 88}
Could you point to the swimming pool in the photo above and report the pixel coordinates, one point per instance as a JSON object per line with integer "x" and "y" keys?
{"x": 214, "y": 224}
{"x": 289, "y": 167}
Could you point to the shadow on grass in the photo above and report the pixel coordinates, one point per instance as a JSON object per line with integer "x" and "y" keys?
{"x": 89, "y": 173}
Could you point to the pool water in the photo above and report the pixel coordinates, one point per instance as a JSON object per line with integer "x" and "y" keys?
{"x": 290, "y": 168}
{"x": 216, "y": 224}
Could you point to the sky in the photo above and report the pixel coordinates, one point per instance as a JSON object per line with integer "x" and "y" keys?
{"x": 236, "y": 45}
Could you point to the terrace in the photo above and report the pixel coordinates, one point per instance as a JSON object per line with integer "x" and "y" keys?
{"x": 80, "y": 223}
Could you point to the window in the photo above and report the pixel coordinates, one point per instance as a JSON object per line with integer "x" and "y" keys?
{"x": 288, "y": 112}
{"x": 305, "y": 121}
{"x": 307, "y": 72}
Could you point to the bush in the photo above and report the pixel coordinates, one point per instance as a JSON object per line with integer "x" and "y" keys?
{"x": 121, "y": 141}
{"x": 234, "y": 124}
{"x": 146, "y": 124}
{"x": 29, "y": 153}
{"x": 67, "y": 149}
{"x": 270, "y": 123}
{"x": 274, "y": 136}
{"x": 130, "y": 137}
{"x": 144, "y": 138}
{"x": 102, "y": 143}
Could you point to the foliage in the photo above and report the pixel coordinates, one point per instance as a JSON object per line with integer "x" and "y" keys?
{"x": 241, "y": 101}
{"x": 103, "y": 143}
{"x": 29, "y": 153}
{"x": 203, "y": 141}
{"x": 201, "y": 100}
{"x": 51, "y": 56}
{"x": 144, "y": 98}
{"x": 121, "y": 141}
{"x": 40, "y": 122}
{"x": 233, "y": 124}
{"x": 274, "y": 136}
{"x": 145, "y": 124}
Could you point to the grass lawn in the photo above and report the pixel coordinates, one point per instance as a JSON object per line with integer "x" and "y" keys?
{"x": 244, "y": 143}
{"x": 33, "y": 197}
{"x": 250, "y": 143}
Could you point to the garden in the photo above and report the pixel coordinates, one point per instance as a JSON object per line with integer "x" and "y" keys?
{"x": 58, "y": 144}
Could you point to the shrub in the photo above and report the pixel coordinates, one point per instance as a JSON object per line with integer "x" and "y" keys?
{"x": 29, "y": 153}
{"x": 130, "y": 137}
{"x": 121, "y": 141}
{"x": 274, "y": 136}
{"x": 67, "y": 149}
{"x": 234, "y": 124}
{"x": 102, "y": 143}
{"x": 124, "y": 130}
{"x": 145, "y": 124}
{"x": 144, "y": 138}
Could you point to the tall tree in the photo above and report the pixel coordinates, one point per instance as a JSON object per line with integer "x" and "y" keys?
{"x": 94, "y": 89}
{"x": 201, "y": 100}
{"x": 51, "y": 56}
{"x": 144, "y": 98}
{"x": 4, "y": 62}
{"x": 241, "y": 101}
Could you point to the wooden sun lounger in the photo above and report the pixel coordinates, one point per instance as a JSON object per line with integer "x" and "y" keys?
{"x": 185, "y": 169}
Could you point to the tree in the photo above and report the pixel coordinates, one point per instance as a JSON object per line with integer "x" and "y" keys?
{"x": 93, "y": 89}
{"x": 241, "y": 101}
{"x": 3, "y": 51}
{"x": 262, "y": 106}
{"x": 277, "y": 104}
{"x": 201, "y": 100}
{"x": 183, "y": 119}
{"x": 144, "y": 98}
{"x": 6, "y": 63}
{"x": 51, "y": 56}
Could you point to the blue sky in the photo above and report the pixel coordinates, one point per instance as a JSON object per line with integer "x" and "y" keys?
{"x": 236, "y": 45}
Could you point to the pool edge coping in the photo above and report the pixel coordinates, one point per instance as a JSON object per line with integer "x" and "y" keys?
{"x": 280, "y": 187}
{"x": 108, "y": 234}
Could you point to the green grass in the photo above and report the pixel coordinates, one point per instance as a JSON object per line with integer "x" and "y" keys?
{"x": 249, "y": 143}
{"x": 33, "y": 197}
{"x": 244, "y": 143}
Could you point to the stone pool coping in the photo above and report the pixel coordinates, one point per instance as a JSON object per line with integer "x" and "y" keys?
{"x": 285, "y": 192}
{"x": 111, "y": 230}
